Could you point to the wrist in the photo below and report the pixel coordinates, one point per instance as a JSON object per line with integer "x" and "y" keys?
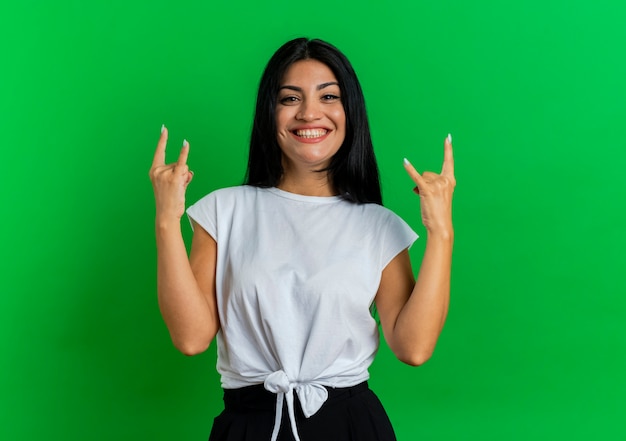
{"x": 165, "y": 223}
{"x": 443, "y": 233}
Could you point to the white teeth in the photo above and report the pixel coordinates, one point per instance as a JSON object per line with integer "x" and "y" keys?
{"x": 311, "y": 133}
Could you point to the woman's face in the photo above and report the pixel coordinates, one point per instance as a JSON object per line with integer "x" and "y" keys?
{"x": 310, "y": 119}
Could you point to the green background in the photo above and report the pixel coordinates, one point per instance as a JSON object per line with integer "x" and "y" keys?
{"x": 534, "y": 95}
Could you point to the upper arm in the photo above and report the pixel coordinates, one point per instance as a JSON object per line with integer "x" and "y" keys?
{"x": 203, "y": 261}
{"x": 396, "y": 284}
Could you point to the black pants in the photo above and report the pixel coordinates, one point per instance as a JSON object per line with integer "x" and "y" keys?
{"x": 350, "y": 414}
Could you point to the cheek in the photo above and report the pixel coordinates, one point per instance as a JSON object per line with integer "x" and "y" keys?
{"x": 340, "y": 119}
{"x": 281, "y": 119}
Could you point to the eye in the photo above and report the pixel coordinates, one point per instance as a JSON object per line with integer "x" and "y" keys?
{"x": 288, "y": 100}
{"x": 330, "y": 97}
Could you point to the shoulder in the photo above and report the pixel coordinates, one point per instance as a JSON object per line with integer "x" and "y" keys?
{"x": 388, "y": 222}
{"x": 379, "y": 213}
{"x": 221, "y": 206}
{"x": 226, "y": 194}
{"x": 236, "y": 191}
{"x": 209, "y": 204}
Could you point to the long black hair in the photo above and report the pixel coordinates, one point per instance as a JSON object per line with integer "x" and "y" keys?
{"x": 353, "y": 171}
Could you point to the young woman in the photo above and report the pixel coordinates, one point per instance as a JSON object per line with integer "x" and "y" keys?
{"x": 285, "y": 269}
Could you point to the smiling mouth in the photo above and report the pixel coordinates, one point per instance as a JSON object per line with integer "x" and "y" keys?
{"x": 310, "y": 133}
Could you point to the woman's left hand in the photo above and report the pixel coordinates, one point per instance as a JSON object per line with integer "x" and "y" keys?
{"x": 435, "y": 192}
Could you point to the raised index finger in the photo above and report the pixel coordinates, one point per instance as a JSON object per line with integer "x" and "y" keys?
{"x": 159, "y": 154}
{"x": 415, "y": 176}
{"x": 448, "y": 157}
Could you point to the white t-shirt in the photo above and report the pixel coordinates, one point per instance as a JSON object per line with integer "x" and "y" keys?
{"x": 295, "y": 279}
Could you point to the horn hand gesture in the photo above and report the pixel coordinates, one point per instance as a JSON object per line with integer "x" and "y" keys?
{"x": 170, "y": 181}
{"x": 435, "y": 192}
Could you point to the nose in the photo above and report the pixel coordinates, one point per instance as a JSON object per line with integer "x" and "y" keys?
{"x": 309, "y": 111}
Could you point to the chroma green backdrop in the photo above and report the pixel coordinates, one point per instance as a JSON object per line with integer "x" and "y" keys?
{"x": 534, "y": 95}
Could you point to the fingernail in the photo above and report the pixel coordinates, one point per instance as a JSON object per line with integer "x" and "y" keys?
{"x": 406, "y": 162}
{"x": 162, "y": 127}
{"x": 185, "y": 143}
{"x": 449, "y": 138}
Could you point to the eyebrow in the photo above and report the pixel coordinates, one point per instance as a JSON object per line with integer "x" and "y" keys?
{"x": 319, "y": 87}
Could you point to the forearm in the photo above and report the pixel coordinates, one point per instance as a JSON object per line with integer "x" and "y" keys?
{"x": 422, "y": 318}
{"x": 190, "y": 318}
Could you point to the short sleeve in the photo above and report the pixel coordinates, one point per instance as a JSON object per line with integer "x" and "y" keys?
{"x": 397, "y": 237}
{"x": 204, "y": 213}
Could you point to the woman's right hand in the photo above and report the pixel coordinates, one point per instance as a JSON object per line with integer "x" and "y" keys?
{"x": 170, "y": 181}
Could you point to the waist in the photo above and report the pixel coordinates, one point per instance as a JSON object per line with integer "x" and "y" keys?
{"x": 256, "y": 397}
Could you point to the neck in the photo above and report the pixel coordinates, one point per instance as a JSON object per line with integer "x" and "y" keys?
{"x": 307, "y": 184}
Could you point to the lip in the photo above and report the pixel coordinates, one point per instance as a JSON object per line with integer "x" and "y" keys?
{"x": 310, "y": 140}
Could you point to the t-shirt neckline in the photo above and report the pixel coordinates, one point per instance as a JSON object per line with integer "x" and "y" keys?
{"x": 303, "y": 198}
